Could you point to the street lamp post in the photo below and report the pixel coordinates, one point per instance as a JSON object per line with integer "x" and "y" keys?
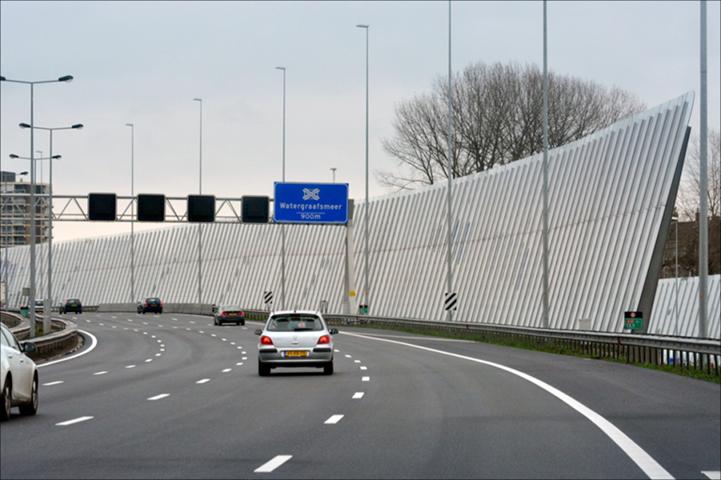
{"x": 366, "y": 210}
{"x": 674, "y": 218}
{"x": 31, "y": 298}
{"x": 703, "y": 183}
{"x": 132, "y": 211}
{"x": 282, "y": 227}
{"x": 544, "y": 173}
{"x": 449, "y": 168}
{"x": 33, "y": 227}
{"x": 200, "y": 192}
{"x": 50, "y": 130}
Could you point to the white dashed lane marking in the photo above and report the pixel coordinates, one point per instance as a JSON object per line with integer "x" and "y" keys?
{"x": 129, "y": 366}
{"x": 159, "y": 397}
{"x": 333, "y": 419}
{"x": 356, "y": 361}
{"x": 272, "y": 464}
{"x": 102, "y": 372}
{"x": 239, "y": 364}
{"x": 148, "y": 360}
{"x": 50, "y": 384}
{"x": 336, "y": 350}
{"x": 348, "y": 356}
{"x": 158, "y": 354}
{"x": 358, "y": 395}
{"x": 202, "y": 381}
{"x": 712, "y": 475}
{"x": 363, "y": 367}
{"x": 366, "y": 379}
{"x": 73, "y": 421}
{"x": 226, "y": 370}
{"x": 244, "y": 358}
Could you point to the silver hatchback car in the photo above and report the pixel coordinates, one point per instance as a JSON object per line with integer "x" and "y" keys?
{"x": 295, "y": 339}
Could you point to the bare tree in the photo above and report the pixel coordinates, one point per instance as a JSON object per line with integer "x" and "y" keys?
{"x": 497, "y": 119}
{"x": 687, "y": 201}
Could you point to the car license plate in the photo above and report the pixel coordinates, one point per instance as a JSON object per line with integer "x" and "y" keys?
{"x": 296, "y": 354}
{"x": 232, "y": 314}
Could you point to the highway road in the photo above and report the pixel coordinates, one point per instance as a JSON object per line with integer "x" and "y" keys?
{"x": 172, "y": 396}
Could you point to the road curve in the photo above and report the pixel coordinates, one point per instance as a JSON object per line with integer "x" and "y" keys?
{"x": 172, "y": 396}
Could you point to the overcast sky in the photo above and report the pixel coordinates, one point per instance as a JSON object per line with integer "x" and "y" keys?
{"x": 144, "y": 62}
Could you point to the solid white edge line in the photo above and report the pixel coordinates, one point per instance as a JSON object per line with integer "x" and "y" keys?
{"x": 93, "y": 344}
{"x": 272, "y": 464}
{"x": 712, "y": 475}
{"x": 637, "y": 454}
{"x": 333, "y": 419}
{"x": 73, "y": 421}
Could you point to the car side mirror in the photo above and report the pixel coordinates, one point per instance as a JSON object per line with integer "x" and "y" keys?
{"x": 333, "y": 331}
{"x": 28, "y": 347}
{"x": 259, "y": 332}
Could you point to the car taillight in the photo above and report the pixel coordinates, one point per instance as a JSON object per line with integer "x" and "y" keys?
{"x": 324, "y": 340}
{"x": 223, "y": 314}
{"x": 265, "y": 340}
{"x": 242, "y": 314}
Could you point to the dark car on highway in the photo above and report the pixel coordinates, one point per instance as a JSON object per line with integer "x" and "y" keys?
{"x": 71, "y": 305}
{"x": 152, "y": 304}
{"x": 229, "y": 314}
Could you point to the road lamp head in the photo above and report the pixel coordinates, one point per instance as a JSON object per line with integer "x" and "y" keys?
{"x": 360, "y": 25}
{"x": 2, "y": 79}
{"x": 12, "y": 155}
{"x": 198, "y": 100}
{"x": 23, "y": 173}
{"x": 24, "y": 125}
{"x": 280, "y": 68}
{"x": 66, "y": 78}
{"x": 56, "y": 157}
{"x": 77, "y": 126}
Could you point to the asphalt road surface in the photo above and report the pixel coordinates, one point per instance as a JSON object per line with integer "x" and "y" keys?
{"x": 172, "y": 396}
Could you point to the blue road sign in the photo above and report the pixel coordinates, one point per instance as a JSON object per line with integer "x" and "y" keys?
{"x": 310, "y": 203}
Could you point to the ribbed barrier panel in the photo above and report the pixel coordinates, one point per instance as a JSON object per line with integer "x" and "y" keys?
{"x": 608, "y": 195}
{"x": 676, "y": 307}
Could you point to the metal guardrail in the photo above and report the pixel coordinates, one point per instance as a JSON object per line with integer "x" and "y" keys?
{"x": 20, "y": 325}
{"x": 64, "y": 337}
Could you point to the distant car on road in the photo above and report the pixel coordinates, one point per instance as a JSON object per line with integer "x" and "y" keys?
{"x": 152, "y": 304}
{"x": 71, "y": 305}
{"x": 39, "y": 305}
{"x": 18, "y": 376}
{"x": 229, "y": 314}
{"x": 295, "y": 339}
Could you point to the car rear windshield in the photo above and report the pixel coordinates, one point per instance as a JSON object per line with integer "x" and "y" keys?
{"x": 73, "y": 300}
{"x": 294, "y": 323}
{"x": 153, "y": 300}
